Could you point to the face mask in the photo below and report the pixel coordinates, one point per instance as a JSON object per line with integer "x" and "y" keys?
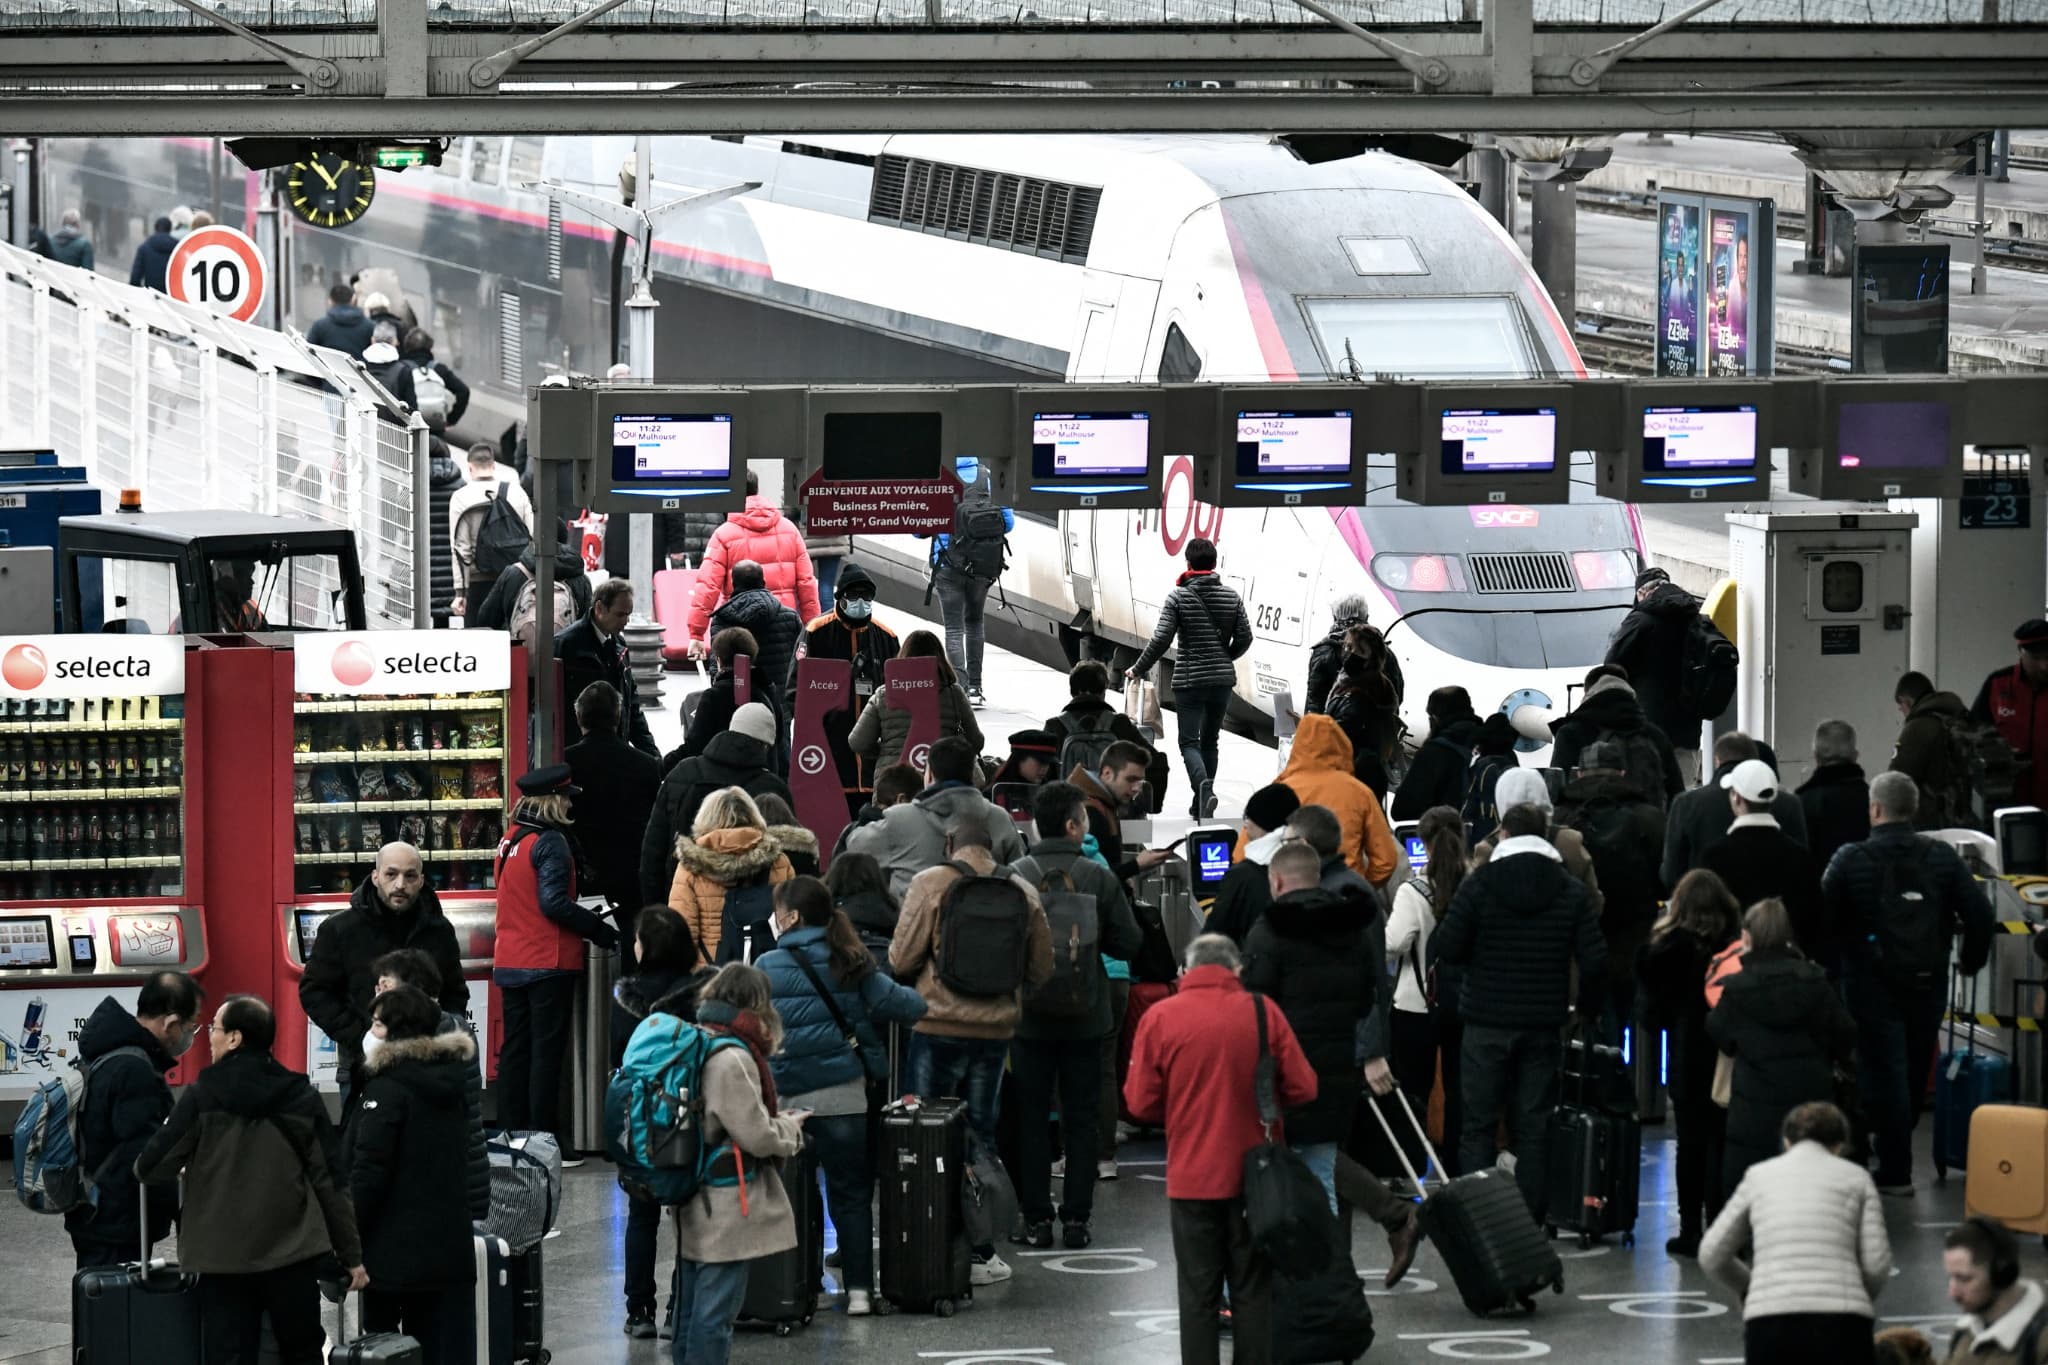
{"x": 856, "y": 608}
{"x": 371, "y": 1042}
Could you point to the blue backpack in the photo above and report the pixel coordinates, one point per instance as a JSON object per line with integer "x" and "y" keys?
{"x": 654, "y": 1112}
{"x": 49, "y": 1174}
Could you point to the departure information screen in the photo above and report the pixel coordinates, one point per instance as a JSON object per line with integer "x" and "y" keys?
{"x": 1090, "y": 445}
{"x": 691, "y": 447}
{"x": 25, "y": 942}
{"x": 1893, "y": 436}
{"x": 1278, "y": 443}
{"x": 1699, "y": 440}
{"x": 1499, "y": 440}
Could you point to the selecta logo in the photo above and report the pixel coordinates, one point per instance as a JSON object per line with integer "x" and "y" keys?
{"x": 24, "y": 668}
{"x": 353, "y": 663}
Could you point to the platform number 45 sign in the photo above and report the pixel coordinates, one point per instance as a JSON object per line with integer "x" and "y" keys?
{"x": 219, "y": 268}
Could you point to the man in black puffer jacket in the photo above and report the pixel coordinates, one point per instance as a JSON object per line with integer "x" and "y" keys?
{"x": 1516, "y": 925}
{"x": 775, "y": 629}
{"x": 1650, "y": 645}
{"x": 742, "y": 756}
{"x": 411, "y": 967}
{"x": 1436, "y": 775}
{"x": 1214, "y": 631}
{"x": 126, "y": 1102}
{"x": 1611, "y": 710}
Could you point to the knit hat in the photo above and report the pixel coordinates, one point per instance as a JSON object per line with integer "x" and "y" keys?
{"x": 756, "y": 722}
{"x": 1496, "y": 735}
{"x": 1521, "y": 787}
{"x": 1653, "y": 574}
{"x": 1608, "y": 683}
{"x": 1272, "y": 806}
{"x": 851, "y": 576}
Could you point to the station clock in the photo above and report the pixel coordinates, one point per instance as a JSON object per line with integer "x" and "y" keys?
{"x": 328, "y": 190}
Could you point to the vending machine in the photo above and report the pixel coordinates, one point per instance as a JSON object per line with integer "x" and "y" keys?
{"x": 394, "y": 737}
{"x": 101, "y": 882}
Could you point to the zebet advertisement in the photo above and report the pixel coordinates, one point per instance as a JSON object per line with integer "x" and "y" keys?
{"x": 1715, "y": 263}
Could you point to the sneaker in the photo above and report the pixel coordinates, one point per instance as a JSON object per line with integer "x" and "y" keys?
{"x": 1059, "y": 1169}
{"x": 1074, "y": 1234}
{"x": 1904, "y": 1191}
{"x": 570, "y": 1163}
{"x": 640, "y": 1323}
{"x": 858, "y": 1304}
{"x": 976, "y": 697}
{"x": 1105, "y": 1170}
{"x": 1033, "y": 1233}
{"x": 1685, "y": 1244}
{"x": 992, "y": 1271}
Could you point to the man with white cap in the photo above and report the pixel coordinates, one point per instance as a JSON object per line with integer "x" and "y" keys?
{"x": 1758, "y": 860}
{"x": 1701, "y": 816}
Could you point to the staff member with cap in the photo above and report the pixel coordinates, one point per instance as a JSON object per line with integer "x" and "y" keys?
{"x": 541, "y": 933}
{"x": 2016, "y": 701}
{"x": 1758, "y": 859}
{"x": 1033, "y": 756}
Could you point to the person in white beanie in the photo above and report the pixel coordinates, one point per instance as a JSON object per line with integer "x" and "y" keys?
{"x": 1526, "y": 787}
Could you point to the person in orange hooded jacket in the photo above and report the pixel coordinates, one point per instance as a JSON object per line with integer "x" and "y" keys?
{"x": 1319, "y": 771}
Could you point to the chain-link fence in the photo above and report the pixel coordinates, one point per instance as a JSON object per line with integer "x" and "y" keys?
{"x": 200, "y": 413}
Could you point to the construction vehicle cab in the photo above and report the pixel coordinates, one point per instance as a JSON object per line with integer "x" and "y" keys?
{"x": 202, "y": 573}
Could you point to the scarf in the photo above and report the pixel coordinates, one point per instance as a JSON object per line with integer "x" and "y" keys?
{"x": 1191, "y": 575}
{"x": 745, "y": 1025}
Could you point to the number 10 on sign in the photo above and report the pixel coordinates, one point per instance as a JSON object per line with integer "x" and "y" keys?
{"x": 219, "y": 268}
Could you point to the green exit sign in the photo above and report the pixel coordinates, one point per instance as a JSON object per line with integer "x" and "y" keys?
{"x": 400, "y": 158}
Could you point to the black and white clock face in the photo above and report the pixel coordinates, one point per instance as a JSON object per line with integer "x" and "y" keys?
{"x": 329, "y": 190}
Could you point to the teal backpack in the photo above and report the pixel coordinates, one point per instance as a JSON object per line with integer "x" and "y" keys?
{"x": 654, "y": 1112}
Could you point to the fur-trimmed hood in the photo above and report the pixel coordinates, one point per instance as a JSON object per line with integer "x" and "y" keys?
{"x": 729, "y": 856}
{"x": 457, "y": 1048}
{"x": 795, "y": 840}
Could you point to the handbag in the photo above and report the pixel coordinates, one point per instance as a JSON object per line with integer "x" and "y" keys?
{"x": 1141, "y": 704}
{"x": 1724, "y": 1080}
{"x": 839, "y": 1020}
{"x": 1286, "y": 1209}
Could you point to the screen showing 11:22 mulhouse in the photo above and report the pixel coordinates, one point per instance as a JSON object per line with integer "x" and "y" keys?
{"x": 1499, "y": 440}
{"x": 1090, "y": 445}
{"x": 1282, "y": 443}
{"x": 691, "y": 447}
{"x": 1699, "y": 439}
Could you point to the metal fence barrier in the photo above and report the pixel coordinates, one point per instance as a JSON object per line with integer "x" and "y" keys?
{"x": 201, "y": 413}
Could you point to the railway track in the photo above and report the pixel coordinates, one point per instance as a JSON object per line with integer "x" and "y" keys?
{"x": 1613, "y": 344}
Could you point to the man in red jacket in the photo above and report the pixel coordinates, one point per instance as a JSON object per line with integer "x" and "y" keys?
{"x": 1192, "y": 1066}
{"x": 2016, "y": 701}
{"x": 760, "y": 533}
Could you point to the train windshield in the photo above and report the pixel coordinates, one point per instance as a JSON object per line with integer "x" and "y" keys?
{"x": 1475, "y": 337}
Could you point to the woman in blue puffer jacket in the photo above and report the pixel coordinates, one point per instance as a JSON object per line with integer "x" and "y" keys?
{"x": 831, "y": 996}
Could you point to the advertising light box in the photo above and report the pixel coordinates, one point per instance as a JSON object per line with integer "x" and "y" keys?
{"x": 1486, "y": 444}
{"x": 1688, "y": 442}
{"x": 664, "y": 449}
{"x": 1885, "y": 439}
{"x": 1715, "y": 264}
{"x": 1102, "y": 448}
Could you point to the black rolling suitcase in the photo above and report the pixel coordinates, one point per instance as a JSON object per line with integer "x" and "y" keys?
{"x": 528, "y": 1308}
{"x": 1595, "y": 1152}
{"x": 146, "y": 1313}
{"x": 923, "y": 1160}
{"x": 783, "y": 1289}
{"x": 1480, "y": 1224}
{"x": 493, "y": 1302}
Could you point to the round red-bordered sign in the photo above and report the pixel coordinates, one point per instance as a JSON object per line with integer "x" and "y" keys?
{"x": 218, "y": 267}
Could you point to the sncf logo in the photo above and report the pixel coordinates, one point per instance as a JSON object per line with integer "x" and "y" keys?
{"x": 1504, "y": 517}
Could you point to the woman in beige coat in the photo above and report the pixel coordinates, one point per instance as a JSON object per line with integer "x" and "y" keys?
{"x": 742, "y": 1211}
{"x": 882, "y": 730}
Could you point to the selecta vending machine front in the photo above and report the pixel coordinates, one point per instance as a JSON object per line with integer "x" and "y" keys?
{"x": 395, "y": 736}
{"x": 100, "y": 835}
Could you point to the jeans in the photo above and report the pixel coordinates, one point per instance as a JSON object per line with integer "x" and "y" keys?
{"x": 1321, "y": 1157}
{"x": 826, "y": 568}
{"x": 232, "y": 1309}
{"x": 1213, "y": 1247}
{"x": 537, "y": 1019}
{"x": 842, "y": 1141}
{"x": 970, "y": 1068}
{"x": 1896, "y": 1036}
{"x": 708, "y": 1295}
{"x": 962, "y": 597}
{"x": 1073, "y": 1067}
{"x": 1198, "y": 712}
{"x": 1511, "y": 1071}
{"x": 1802, "y": 1338}
{"x": 643, "y": 1236}
{"x": 442, "y": 1321}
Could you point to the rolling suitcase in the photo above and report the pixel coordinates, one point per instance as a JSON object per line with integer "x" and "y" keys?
{"x": 146, "y": 1313}
{"x": 493, "y": 1306}
{"x": 528, "y": 1310}
{"x": 925, "y": 1253}
{"x": 672, "y": 589}
{"x": 2008, "y": 1167}
{"x": 378, "y": 1348}
{"x": 1964, "y": 1079}
{"x": 1595, "y": 1148}
{"x": 783, "y": 1289}
{"x": 1480, "y": 1224}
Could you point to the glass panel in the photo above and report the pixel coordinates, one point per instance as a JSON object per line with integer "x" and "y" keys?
{"x": 525, "y": 161}
{"x": 1384, "y": 256}
{"x": 281, "y": 592}
{"x": 452, "y": 159}
{"x": 1439, "y": 338}
{"x": 485, "y": 154}
{"x": 141, "y": 595}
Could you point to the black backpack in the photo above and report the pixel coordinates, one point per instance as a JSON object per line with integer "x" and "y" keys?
{"x": 1706, "y": 680}
{"x": 747, "y": 928}
{"x": 1481, "y": 810}
{"x": 1088, "y": 739}
{"x": 1906, "y": 925}
{"x": 1625, "y": 863}
{"x": 1980, "y": 764}
{"x": 501, "y": 537}
{"x": 978, "y": 545}
{"x": 1155, "y": 963}
{"x": 984, "y": 927}
{"x": 1072, "y": 917}
{"x": 1642, "y": 763}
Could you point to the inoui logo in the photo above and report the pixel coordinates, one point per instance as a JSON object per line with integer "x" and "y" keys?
{"x": 811, "y": 759}
{"x": 1506, "y": 516}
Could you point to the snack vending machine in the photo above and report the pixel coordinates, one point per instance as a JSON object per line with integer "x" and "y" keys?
{"x": 397, "y": 737}
{"x": 100, "y": 884}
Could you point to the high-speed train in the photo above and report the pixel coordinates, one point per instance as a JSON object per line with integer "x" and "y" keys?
{"x": 1084, "y": 258}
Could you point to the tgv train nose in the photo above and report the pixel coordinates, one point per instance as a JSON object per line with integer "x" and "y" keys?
{"x": 1528, "y": 710}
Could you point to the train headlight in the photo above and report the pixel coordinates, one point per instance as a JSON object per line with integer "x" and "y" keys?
{"x": 1597, "y": 569}
{"x": 1418, "y": 573}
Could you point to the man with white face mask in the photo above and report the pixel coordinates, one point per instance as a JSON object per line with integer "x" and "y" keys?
{"x": 126, "y": 1101}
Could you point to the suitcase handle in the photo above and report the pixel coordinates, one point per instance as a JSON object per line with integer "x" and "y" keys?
{"x": 1400, "y": 1152}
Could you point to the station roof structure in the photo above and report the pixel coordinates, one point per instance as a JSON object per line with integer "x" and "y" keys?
{"x": 366, "y": 68}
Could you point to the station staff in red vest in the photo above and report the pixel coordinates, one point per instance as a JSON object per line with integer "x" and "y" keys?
{"x": 2016, "y": 701}
{"x": 541, "y": 935}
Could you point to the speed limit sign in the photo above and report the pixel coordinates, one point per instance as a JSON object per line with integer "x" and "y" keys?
{"x": 218, "y": 267}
